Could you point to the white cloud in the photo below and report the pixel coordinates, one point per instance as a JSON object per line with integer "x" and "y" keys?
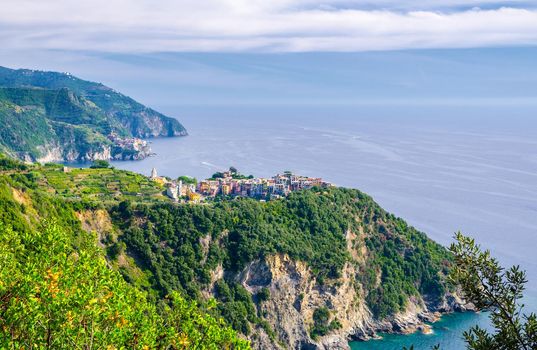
{"x": 260, "y": 25}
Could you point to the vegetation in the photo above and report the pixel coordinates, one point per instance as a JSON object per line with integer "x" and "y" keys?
{"x": 308, "y": 225}
{"x": 188, "y": 180}
{"x": 7, "y": 163}
{"x": 403, "y": 271}
{"x": 263, "y": 294}
{"x": 100, "y": 184}
{"x": 56, "y": 297}
{"x": 322, "y": 324}
{"x": 100, "y": 164}
{"x": 491, "y": 287}
{"x": 27, "y": 129}
{"x": 57, "y": 290}
{"x": 234, "y": 174}
{"x": 46, "y": 110}
{"x": 164, "y": 249}
{"x": 236, "y": 305}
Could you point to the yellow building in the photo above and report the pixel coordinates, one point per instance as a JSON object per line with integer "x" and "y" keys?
{"x": 160, "y": 180}
{"x": 194, "y": 197}
{"x": 226, "y": 189}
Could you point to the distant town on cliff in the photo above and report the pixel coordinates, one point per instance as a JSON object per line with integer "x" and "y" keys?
{"x": 231, "y": 183}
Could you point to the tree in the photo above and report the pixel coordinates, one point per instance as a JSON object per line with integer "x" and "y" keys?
{"x": 187, "y": 180}
{"x": 263, "y": 294}
{"x": 492, "y": 288}
{"x": 100, "y": 164}
{"x": 233, "y": 170}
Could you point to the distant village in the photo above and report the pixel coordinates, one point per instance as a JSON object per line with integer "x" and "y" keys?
{"x": 232, "y": 184}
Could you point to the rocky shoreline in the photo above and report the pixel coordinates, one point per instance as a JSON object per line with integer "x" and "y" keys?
{"x": 295, "y": 295}
{"x": 414, "y": 319}
{"x": 117, "y": 148}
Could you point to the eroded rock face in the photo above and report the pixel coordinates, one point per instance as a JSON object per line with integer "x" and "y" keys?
{"x": 122, "y": 149}
{"x": 295, "y": 295}
{"x": 96, "y": 221}
{"x": 49, "y": 153}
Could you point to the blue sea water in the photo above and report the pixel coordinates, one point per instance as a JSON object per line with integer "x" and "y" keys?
{"x": 446, "y": 332}
{"x": 441, "y": 168}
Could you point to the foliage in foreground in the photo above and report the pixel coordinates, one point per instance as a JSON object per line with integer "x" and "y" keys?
{"x": 55, "y": 297}
{"x": 492, "y": 288}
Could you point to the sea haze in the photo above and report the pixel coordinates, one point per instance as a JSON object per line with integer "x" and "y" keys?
{"x": 441, "y": 168}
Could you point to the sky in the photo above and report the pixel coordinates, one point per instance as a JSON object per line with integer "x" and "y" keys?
{"x": 137, "y": 26}
{"x": 284, "y": 52}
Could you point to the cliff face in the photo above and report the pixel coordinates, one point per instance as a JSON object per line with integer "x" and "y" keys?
{"x": 295, "y": 295}
{"x": 147, "y": 123}
{"x": 73, "y": 150}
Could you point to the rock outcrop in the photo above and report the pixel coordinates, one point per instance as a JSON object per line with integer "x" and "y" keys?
{"x": 72, "y": 151}
{"x": 295, "y": 295}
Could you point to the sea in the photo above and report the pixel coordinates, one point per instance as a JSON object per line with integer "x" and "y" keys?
{"x": 442, "y": 167}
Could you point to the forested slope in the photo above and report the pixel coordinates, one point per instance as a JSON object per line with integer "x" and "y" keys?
{"x": 307, "y": 270}
{"x": 58, "y": 291}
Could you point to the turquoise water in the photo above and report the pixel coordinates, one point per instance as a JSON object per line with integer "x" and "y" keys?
{"x": 447, "y": 332}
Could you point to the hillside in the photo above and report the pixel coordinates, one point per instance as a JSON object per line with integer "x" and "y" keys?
{"x": 56, "y": 116}
{"x": 308, "y": 271}
{"x": 58, "y": 291}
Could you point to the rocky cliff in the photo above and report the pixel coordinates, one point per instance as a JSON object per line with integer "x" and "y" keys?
{"x": 295, "y": 295}
{"x": 71, "y": 151}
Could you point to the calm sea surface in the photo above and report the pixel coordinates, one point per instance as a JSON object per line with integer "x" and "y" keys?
{"x": 471, "y": 169}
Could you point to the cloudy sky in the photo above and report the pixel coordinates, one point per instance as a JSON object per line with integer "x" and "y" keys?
{"x": 265, "y": 26}
{"x": 253, "y": 52}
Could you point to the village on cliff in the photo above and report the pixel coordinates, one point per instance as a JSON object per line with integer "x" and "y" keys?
{"x": 232, "y": 184}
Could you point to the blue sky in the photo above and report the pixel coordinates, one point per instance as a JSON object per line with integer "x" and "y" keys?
{"x": 488, "y": 76}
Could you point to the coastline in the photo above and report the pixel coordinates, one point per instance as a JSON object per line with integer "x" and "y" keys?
{"x": 447, "y": 331}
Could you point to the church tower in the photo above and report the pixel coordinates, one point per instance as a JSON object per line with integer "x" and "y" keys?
{"x": 154, "y": 173}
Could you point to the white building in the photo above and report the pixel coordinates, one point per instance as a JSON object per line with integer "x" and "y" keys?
{"x": 172, "y": 191}
{"x": 154, "y": 174}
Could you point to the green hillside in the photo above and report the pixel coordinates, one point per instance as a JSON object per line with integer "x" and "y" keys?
{"x": 166, "y": 253}
{"x": 55, "y": 115}
{"x": 57, "y": 290}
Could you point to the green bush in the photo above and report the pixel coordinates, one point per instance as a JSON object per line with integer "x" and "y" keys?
{"x": 263, "y": 294}
{"x": 52, "y": 295}
{"x": 100, "y": 164}
{"x": 321, "y": 323}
